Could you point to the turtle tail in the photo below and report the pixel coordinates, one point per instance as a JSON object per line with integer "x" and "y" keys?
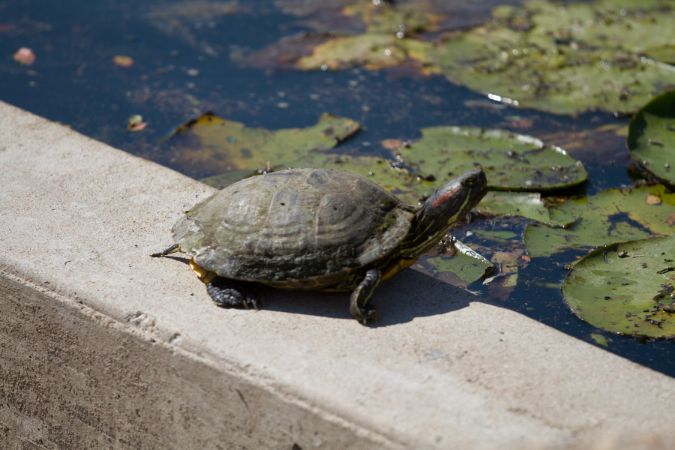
{"x": 173, "y": 249}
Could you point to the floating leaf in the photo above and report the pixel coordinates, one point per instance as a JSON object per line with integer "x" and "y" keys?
{"x": 651, "y": 137}
{"x": 463, "y": 267}
{"x": 370, "y": 50}
{"x": 614, "y": 215}
{"x": 523, "y": 204}
{"x": 626, "y": 288}
{"x": 210, "y": 145}
{"x": 511, "y": 161}
{"x": 566, "y": 57}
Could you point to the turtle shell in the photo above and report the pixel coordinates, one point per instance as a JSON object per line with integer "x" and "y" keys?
{"x": 301, "y": 228}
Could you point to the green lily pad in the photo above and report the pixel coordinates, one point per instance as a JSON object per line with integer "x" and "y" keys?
{"x": 614, "y": 215}
{"x": 626, "y": 288}
{"x": 371, "y": 50}
{"x": 566, "y": 57}
{"x": 210, "y": 145}
{"x": 651, "y": 137}
{"x": 512, "y": 162}
{"x": 465, "y": 265}
{"x": 524, "y": 204}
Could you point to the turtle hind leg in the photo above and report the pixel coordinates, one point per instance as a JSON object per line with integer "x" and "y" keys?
{"x": 231, "y": 294}
{"x": 358, "y": 305}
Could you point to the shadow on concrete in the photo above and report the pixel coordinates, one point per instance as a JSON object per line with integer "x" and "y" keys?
{"x": 408, "y": 295}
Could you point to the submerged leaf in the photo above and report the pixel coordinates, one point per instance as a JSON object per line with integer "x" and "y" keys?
{"x": 511, "y": 161}
{"x": 626, "y": 288}
{"x": 651, "y": 137}
{"x": 614, "y": 215}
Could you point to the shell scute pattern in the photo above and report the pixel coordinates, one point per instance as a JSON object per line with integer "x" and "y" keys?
{"x": 293, "y": 225}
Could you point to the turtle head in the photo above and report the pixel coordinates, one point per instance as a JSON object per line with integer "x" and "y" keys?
{"x": 450, "y": 203}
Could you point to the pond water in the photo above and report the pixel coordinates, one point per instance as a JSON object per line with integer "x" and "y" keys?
{"x": 185, "y": 57}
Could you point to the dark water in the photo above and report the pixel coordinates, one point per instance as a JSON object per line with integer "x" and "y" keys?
{"x": 182, "y": 68}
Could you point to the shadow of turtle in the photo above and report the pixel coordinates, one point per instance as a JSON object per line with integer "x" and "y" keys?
{"x": 409, "y": 295}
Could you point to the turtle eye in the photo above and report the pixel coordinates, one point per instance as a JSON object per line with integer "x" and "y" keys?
{"x": 469, "y": 182}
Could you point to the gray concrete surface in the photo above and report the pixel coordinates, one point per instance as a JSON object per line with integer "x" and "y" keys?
{"x": 102, "y": 346}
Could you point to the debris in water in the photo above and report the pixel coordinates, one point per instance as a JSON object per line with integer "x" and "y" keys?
{"x": 25, "y": 56}
{"x": 123, "y": 61}
{"x": 135, "y": 123}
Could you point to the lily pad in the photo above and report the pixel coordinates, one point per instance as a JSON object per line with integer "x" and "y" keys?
{"x": 566, "y": 57}
{"x": 371, "y": 50}
{"x": 651, "y": 137}
{"x": 524, "y": 204}
{"x": 465, "y": 265}
{"x": 614, "y": 215}
{"x": 626, "y": 288}
{"x": 512, "y": 162}
{"x": 210, "y": 145}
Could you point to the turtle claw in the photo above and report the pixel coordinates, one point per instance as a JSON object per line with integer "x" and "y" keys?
{"x": 228, "y": 294}
{"x": 367, "y": 316}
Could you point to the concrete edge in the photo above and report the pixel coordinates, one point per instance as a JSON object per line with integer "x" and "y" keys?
{"x": 319, "y": 426}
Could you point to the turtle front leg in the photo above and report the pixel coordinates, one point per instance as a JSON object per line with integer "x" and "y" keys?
{"x": 231, "y": 294}
{"x": 358, "y": 305}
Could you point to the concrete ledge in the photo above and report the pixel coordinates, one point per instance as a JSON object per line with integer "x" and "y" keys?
{"x": 101, "y": 345}
{"x": 73, "y": 378}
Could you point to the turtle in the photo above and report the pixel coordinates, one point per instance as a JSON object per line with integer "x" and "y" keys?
{"x": 314, "y": 229}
